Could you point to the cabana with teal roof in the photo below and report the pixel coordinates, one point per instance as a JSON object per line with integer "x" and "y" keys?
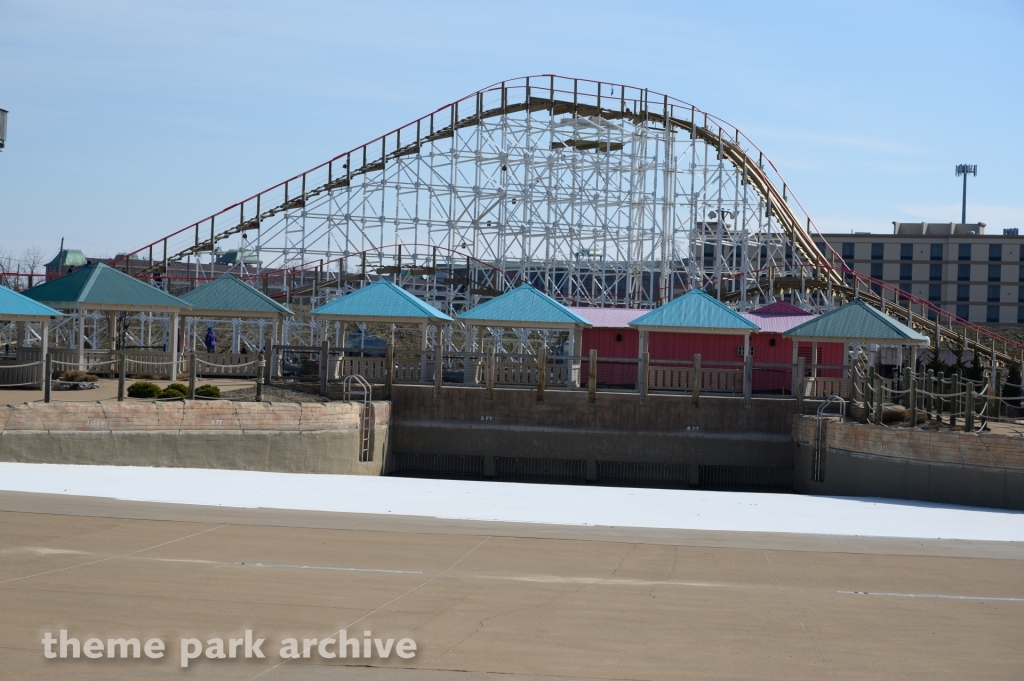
{"x": 105, "y": 289}
{"x": 383, "y": 302}
{"x": 21, "y": 311}
{"x": 695, "y": 312}
{"x": 228, "y": 297}
{"x": 857, "y": 323}
{"x": 526, "y": 309}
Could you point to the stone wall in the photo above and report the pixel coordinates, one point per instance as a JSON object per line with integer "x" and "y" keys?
{"x": 910, "y": 463}
{"x": 286, "y": 437}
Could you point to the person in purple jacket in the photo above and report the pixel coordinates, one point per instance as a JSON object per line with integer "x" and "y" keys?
{"x": 210, "y": 340}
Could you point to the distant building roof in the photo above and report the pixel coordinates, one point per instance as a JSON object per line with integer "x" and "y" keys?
{"x": 524, "y": 307}
{"x": 230, "y": 296}
{"x": 68, "y": 258}
{"x": 780, "y": 307}
{"x": 609, "y": 317}
{"x": 695, "y": 312}
{"x": 778, "y": 317}
{"x": 381, "y": 301}
{"x": 99, "y": 287}
{"x": 857, "y": 322}
{"x": 15, "y": 307}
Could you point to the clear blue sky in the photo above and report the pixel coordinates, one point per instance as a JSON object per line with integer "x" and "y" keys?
{"x": 129, "y": 120}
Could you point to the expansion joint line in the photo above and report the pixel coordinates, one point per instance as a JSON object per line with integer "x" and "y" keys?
{"x": 793, "y": 610}
{"x": 381, "y": 607}
{"x": 123, "y": 555}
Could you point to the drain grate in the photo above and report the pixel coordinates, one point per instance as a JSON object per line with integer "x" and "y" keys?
{"x": 452, "y": 466}
{"x": 634, "y": 474}
{"x": 510, "y": 469}
{"x": 745, "y": 479}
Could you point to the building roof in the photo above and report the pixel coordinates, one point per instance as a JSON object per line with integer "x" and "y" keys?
{"x": 857, "y": 322}
{"x": 780, "y": 307}
{"x": 15, "y": 307}
{"x": 381, "y": 301}
{"x": 524, "y": 307}
{"x": 695, "y": 311}
{"x": 231, "y": 296}
{"x": 608, "y": 317}
{"x": 68, "y": 258}
{"x": 99, "y": 287}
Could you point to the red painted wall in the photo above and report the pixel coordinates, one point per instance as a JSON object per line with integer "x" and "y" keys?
{"x": 711, "y": 348}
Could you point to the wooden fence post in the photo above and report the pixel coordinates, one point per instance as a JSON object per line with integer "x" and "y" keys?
{"x": 271, "y": 366}
{"x": 47, "y": 377}
{"x": 122, "y": 366}
{"x": 542, "y": 371}
{"x": 801, "y": 368}
{"x": 438, "y": 365}
{"x": 261, "y": 365}
{"x": 192, "y": 375}
{"x": 696, "y": 381}
{"x": 324, "y": 360}
{"x": 912, "y": 406}
{"x": 969, "y": 411}
{"x": 492, "y": 369}
{"x": 592, "y": 377}
{"x": 878, "y": 399}
{"x": 643, "y": 371}
{"x": 748, "y": 380}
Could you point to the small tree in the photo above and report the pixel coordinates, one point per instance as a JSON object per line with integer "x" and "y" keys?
{"x": 123, "y": 321}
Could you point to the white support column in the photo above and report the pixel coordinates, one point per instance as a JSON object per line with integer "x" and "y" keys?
{"x": 814, "y": 359}
{"x": 112, "y": 329}
{"x": 81, "y": 339}
{"x": 236, "y": 342}
{"x": 174, "y": 346}
{"x": 576, "y": 350}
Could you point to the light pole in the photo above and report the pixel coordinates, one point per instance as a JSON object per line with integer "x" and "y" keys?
{"x": 3, "y": 128}
{"x": 965, "y": 170}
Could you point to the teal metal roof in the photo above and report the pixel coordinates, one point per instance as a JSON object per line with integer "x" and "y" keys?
{"x": 695, "y": 311}
{"x": 381, "y": 301}
{"x": 230, "y": 294}
{"x": 100, "y": 287}
{"x": 857, "y": 322}
{"x": 15, "y": 307}
{"x": 523, "y": 307}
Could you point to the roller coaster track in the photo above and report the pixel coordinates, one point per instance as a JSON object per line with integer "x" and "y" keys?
{"x": 819, "y": 271}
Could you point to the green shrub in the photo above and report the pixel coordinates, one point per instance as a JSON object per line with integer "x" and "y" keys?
{"x": 180, "y": 387}
{"x": 207, "y": 391}
{"x": 143, "y": 389}
{"x": 170, "y": 393}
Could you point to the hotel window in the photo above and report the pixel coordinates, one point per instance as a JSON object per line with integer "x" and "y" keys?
{"x": 995, "y": 272}
{"x": 963, "y": 291}
{"x": 877, "y": 251}
{"x": 995, "y": 251}
{"x": 963, "y": 272}
{"x": 963, "y": 312}
{"x": 876, "y": 270}
{"x": 934, "y": 292}
{"x": 992, "y": 314}
{"x": 1020, "y": 294}
{"x": 848, "y": 251}
{"x": 935, "y": 272}
{"x": 906, "y": 271}
{"x": 993, "y": 294}
{"x": 906, "y": 251}
{"x": 936, "y": 253}
{"x": 964, "y": 252}
{"x": 1020, "y": 315}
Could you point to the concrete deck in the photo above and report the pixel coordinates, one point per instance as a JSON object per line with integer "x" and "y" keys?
{"x": 499, "y": 600}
